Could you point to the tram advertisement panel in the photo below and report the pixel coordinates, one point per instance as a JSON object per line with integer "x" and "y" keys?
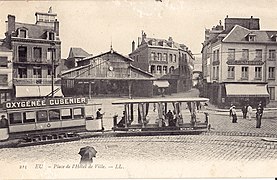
{"x": 44, "y": 102}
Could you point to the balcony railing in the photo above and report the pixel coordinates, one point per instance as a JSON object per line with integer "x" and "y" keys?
{"x": 33, "y": 81}
{"x": 36, "y": 61}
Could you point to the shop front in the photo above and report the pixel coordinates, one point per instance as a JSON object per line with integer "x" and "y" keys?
{"x": 244, "y": 94}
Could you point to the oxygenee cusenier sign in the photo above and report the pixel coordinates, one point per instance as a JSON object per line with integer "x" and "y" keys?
{"x": 44, "y": 102}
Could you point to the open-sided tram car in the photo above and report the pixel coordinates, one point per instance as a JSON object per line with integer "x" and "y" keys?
{"x": 141, "y": 115}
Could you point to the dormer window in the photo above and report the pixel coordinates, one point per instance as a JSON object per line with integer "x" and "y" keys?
{"x": 50, "y": 35}
{"x": 273, "y": 37}
{"x": 22, "y": 33}
{"x": 251, "y": 37}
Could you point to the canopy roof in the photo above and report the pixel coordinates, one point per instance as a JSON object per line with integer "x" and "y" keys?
{"x": 246, "y": 90}
{"x": 162, "y": 84}
{"x": 162, "y": 100}
{"x": 37, "y": 91}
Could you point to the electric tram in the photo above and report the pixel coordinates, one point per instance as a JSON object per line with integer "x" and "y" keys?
{"x": 162, "y": 115}
{"x": 48, "y": 120}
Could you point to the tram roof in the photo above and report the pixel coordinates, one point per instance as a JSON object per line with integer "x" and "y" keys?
{"x": 162, "y": 100}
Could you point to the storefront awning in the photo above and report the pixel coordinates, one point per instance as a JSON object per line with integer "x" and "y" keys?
{"x": 246, "y": 90}
{"x": 37, "y": 91}
{"x": 162, "y": 84}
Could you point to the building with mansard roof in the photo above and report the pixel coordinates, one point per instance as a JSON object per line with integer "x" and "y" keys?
{"x": 166, "y": 60}
{"x": 239, "y": 63}
{"x": 36, "y": 54}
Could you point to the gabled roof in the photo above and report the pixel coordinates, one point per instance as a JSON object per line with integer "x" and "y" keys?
{"x": 239, "y": 34}
{"x": 78, "y": 53}
{"x": 109, "y": 52}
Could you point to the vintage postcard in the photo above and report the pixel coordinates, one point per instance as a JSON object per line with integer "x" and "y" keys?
{"x": 138, "y": 89}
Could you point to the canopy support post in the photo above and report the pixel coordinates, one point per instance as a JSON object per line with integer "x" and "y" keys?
{"x": 130, "y": 89}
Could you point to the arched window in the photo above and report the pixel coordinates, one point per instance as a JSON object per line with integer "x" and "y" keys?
{"x": 164, "y": 69}
{"x": 22, "y": 32}
{"x": 152, "y": 69}
{"x": 171, "y": 69}
{"x": 159, "y": 69}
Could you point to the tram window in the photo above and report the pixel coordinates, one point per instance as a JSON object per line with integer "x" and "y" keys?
{"x": 29, "y": 117}
{"x": 15, "y": 118}
{"x": 66, "y": 114}
{"x": 78, "y": 113}
{"x": 54, "y": 114}
{"x": 42, "y": 116}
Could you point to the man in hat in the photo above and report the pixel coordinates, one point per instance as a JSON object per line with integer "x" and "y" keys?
{"x": 259, "y": 114}
{"x": 4, "y": 122}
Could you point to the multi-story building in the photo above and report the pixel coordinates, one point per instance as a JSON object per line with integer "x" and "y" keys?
{"x": 165, "y": 60}
{"x": 36, "y": 53}
{"x": 6, "y": 85}
{"x": 238, "y": 63}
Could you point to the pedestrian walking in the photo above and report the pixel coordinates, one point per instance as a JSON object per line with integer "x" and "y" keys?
{"x": 234, "y": 115}
{"x": 249, "y": 112}
{"x": 259, "y": 114}
{"x": 244, "y": 111}
{"x": 230, "y": 112}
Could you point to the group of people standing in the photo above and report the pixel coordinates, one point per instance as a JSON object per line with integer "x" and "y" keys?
{"x": 247, "y": 111}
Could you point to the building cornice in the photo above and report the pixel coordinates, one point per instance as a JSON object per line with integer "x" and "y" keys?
{"x": 29, "y": 40}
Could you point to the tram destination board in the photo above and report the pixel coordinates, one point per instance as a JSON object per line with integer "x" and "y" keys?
{"x": 45, "y": 102}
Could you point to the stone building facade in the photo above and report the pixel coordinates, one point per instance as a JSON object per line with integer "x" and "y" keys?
{"x": 36, "y": 52}
{"x": 239, "y": 63}
{"x": 165, "y": 60}
{"x": 6, "y": 85}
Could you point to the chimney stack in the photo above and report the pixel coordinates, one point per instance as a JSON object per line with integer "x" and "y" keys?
{"x": 56, "y": 27}
{"x": 133, "y": 46}
{"x": 11, "y": 24}
{"x": 143, "y": 36}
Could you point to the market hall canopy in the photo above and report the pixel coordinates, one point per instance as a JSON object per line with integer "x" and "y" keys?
{"x": 246, "y": 90}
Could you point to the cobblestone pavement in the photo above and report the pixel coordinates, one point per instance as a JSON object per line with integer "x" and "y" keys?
{"x": 168, "y": 156}
{"x": 169, "y": 148}
{"x": 222, "y": 123}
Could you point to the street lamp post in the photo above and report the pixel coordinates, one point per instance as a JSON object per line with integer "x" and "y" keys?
{"x": 53, "y": 68}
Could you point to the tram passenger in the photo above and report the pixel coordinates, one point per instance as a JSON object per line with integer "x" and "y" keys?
{"x": 174, "y": 118}
{"x": 4, "y": 122}
{"x": 169, "y": 116}
{"x": 122, "y": 121}
{"x": 198, "y": 105}
{"x": 99, "y": 114}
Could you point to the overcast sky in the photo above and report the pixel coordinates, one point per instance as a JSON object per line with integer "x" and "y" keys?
{"x": 93, "y": 25}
